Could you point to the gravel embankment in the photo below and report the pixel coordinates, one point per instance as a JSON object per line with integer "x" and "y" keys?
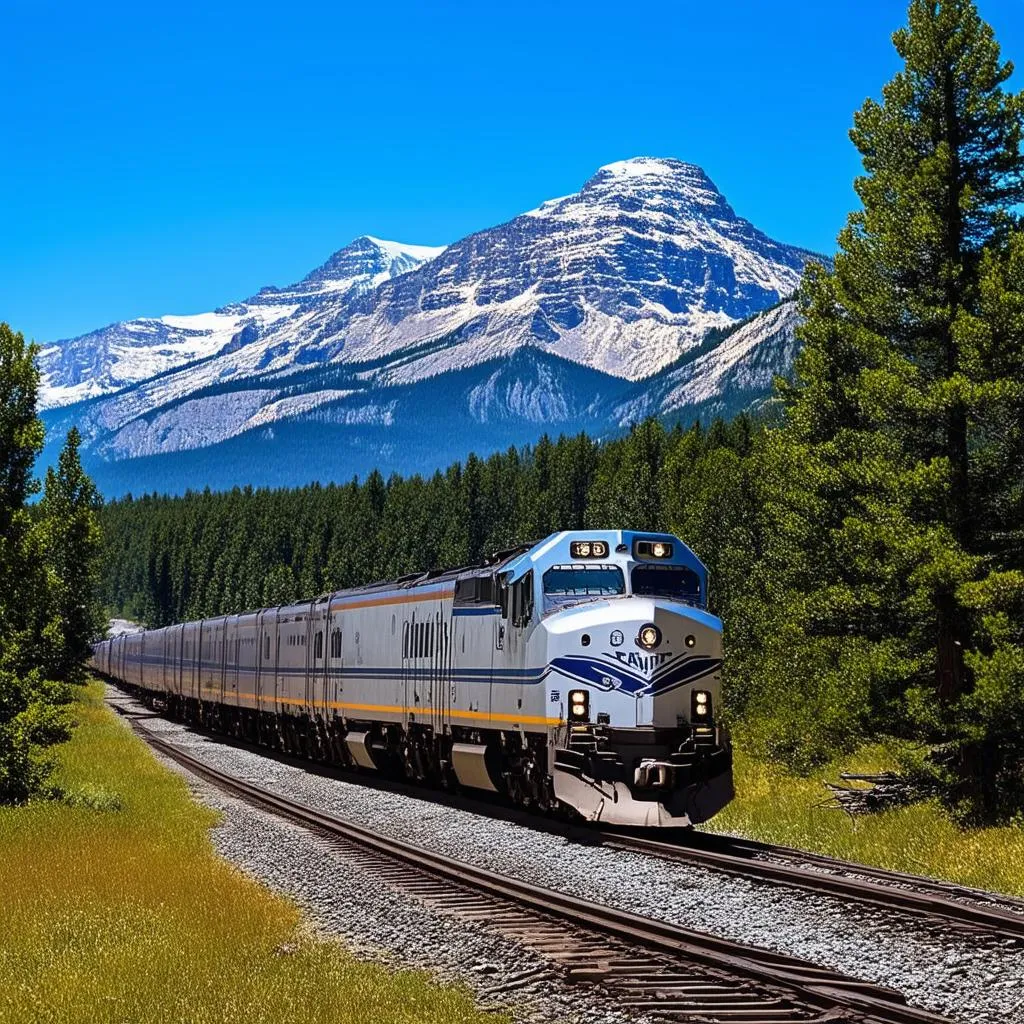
{"x": 381, "y": 923}
{"x": 949, "y": 974}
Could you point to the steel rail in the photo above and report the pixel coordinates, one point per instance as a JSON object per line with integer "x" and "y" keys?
{"x": 814, "y": 986}
{"x": 880, "y": 888}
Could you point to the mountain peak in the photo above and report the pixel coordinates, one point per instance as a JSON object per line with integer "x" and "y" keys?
{"x": 395, "y": 250}
{"x": 652, "y": 167}
{"x": 367, "y": 260}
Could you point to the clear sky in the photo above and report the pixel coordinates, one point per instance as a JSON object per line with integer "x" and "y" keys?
{"x": 161, "y": 158}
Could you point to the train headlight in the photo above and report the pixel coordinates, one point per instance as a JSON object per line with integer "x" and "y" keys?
{"x": 649, "y": 636}
{"x": 588, "y": 549}
{"x": 701, "y": 704}
{"x": 652, "y": 549}
{"x": 579, "y": 706}
{"x": 691, "y": 640}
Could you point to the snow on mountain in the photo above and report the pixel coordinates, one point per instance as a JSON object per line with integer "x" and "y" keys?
{"x": 109, "y": 359}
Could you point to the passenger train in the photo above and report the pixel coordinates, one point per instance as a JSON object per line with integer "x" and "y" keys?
{"x": 579, "y": 674}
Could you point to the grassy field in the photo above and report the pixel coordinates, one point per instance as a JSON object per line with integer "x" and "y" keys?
{"x": 113, "y": 907}
{"x": 778, "y": 808}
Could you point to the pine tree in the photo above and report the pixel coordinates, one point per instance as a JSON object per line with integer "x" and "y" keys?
{"x": 21, "y": 440}
{"x": 32, "y": 716}
{"x": 883, "y": 503}
{"x": 70, "y": 507}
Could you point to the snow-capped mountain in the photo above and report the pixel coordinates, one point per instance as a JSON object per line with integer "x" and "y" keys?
{"x": 623, "y": 277}
{"x": 109, "y": 359}
{"x": 587, "y": 312}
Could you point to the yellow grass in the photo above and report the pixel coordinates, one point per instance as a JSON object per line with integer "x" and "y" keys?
{"x": 118, "y": 910}
{"x": 776, "y": 807}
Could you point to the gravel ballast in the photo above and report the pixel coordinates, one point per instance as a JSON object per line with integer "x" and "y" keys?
{"x": 951, "y": 974}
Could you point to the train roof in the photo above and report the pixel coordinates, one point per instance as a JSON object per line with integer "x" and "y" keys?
{"x": 515, "y": 562}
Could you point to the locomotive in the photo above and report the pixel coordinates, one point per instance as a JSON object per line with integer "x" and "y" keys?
{"x": 580, "y": 674}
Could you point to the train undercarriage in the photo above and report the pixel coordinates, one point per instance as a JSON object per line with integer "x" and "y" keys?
{"x": 673, "y": 783}
{"x": 511, "y": 764}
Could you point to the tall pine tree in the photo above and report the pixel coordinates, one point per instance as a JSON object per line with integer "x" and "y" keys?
{"x": 70, "y": 524}
{"x": 894, "y": 496}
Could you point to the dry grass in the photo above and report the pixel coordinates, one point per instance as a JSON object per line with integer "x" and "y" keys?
{"x": 115, "y": 908}
{"x": 779, "y": 808}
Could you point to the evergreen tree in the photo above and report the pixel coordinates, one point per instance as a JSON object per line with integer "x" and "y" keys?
{"x": 21, "y": 440}
{"x": 32, "y": 716}
{"x": 70, "y": 525}
{"x": 890, "y": 488}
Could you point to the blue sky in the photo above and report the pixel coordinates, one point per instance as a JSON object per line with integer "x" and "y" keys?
{"x": 170, "y": 158}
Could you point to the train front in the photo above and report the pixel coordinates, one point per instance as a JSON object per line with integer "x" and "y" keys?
{"x": 634, "y": 661}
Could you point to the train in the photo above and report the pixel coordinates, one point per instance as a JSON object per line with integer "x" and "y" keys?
{"x": 578, "y": 675}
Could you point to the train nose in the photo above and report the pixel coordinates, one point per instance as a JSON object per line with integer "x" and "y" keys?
{"x": 674, "y": 647}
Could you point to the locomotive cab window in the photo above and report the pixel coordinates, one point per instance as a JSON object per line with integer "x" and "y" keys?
{"x": 565, "y": 584}
{"x": 676, "y": 582}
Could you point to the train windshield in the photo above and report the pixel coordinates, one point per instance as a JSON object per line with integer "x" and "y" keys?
{"x": 672, "y": 581}
{"x": 564, "y": 584}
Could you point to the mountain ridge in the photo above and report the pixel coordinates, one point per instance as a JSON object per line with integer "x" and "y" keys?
{"x": 640, "y": 277}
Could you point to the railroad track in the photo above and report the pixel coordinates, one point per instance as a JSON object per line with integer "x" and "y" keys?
{"x": 647, "y": 966}
{"x": 944, "y": 905}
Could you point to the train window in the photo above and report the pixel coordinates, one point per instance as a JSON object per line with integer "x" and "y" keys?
{"x": 318, "y": 644}
{"x": 430, "y": 640}
{"x": 676, "y": 582}
{"x": 267, "y": 645}
{"x": 405, "y": 639}
{"x": 584, "y": 580}
{"x": 475, "y": 590}
{"x": 565, "y": 584}
{"x": 336, "y": 643}
{"x": 522, "y": 600}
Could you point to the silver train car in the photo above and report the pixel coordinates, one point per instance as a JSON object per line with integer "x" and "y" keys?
{"x": 580, "y": 674}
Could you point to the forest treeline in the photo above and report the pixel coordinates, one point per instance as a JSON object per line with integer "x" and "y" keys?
{"x": 49, "y": 549}
{"x": 866, "y": 546}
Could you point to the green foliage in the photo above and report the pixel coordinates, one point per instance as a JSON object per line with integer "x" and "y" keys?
{"x": 21, "y": 440}
{"x": 48, "y": 577}
{"x": 33, "y": 717}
